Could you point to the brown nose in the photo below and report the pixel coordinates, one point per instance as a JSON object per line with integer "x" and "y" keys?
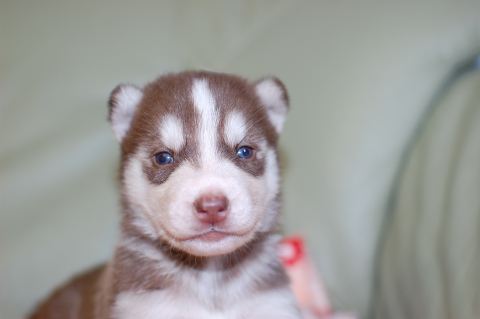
{"x": 211, "y": 209}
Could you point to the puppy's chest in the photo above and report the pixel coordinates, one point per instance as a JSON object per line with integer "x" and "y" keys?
{"x": 204, "y": 303}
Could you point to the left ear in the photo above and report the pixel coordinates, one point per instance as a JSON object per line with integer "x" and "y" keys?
{"x": 274, "y": 97}
{"x": 122, "y": 105}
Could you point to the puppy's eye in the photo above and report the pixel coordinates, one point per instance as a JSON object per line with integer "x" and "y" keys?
{"x": 163, "y": 158}
{"x": 245, "y": 152}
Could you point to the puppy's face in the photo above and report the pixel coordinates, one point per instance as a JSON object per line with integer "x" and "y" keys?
{"x": 199, "y": 165}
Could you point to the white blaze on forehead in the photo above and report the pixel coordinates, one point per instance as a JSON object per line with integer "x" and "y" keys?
{"x": 235, "y": 128}
{"x": 205, "y": 105}
{"x": 171, "y": 132}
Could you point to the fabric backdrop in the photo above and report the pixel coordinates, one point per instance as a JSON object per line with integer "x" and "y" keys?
{"x": 360, "y": 76}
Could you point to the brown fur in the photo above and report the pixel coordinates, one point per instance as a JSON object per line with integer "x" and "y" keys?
{"x": 74, "y": 300}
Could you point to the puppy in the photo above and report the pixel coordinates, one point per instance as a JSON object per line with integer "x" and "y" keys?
{"x": 200, "y": 198}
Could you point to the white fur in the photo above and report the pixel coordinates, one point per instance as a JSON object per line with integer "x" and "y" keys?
{"x": 272, "y": 184}
{"x": 126, "y": 101}
{"x": 135, "y": 187}
{"x": 205, "y": 105}
{"x": 169, "y": 206}
{"x": 148, "y": 250}
{"x": 271, "y": 95}
{"x": 162, "y": 304}
{"x": 171, "y": 132}
{"x": 235, "y": 128}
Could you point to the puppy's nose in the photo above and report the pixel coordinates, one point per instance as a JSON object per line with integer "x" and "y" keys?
{"x": 211, "y": 209}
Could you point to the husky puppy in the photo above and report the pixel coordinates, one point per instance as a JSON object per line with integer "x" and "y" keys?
{"x": 200, "y": 197}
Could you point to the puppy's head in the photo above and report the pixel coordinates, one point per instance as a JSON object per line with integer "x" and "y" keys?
{"x": 199, "y": 163}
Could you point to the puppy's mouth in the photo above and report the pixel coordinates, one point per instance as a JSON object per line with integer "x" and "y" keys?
{"x": 212, "y": 242}
{"x": 211, "y": 236}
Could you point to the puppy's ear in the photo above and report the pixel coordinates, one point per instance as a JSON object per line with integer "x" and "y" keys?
{"x": 274, "y": 96}
{"x": 122, "y": 105}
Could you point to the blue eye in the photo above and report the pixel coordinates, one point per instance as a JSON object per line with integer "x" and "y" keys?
{"x": 164, "y": 158}
{"x": 245, "y": 152}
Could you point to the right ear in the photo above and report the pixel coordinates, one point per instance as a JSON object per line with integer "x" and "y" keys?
{"x": 122, "y": 104}
{"x": 274, "y": 97}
